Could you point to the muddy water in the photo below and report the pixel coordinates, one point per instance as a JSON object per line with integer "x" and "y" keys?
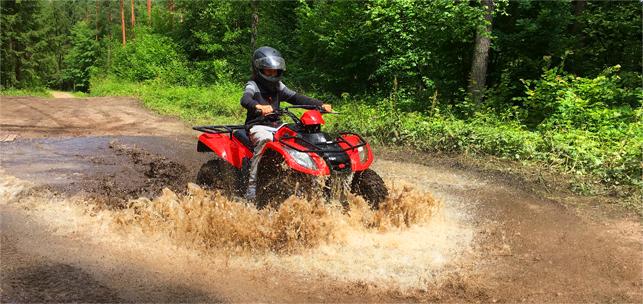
{"x": 113, "y": 169}
{"x": 411, "y": 245}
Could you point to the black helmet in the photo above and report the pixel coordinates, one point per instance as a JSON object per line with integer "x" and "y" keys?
{"x": 266, "y": 57}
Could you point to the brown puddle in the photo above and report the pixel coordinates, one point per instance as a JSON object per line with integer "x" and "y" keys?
{"x": 408, "y": 243}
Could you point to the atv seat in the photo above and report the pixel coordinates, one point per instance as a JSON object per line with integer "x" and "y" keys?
{"x": 242, "y": 136}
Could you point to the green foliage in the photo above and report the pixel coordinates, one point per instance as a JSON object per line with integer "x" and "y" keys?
{"x": 82, "y": 56}
{"x": 216, "y": 37}
{"x": 333, "y": 57}
{"x": 589, "y": 124}
{"x": 23, "y": 45}
{"x": 589, "y": 35}
{"x": 153, "y": 56}
{"x": 482, "y": 134}
{"x": 424, "y": 44}
{"x": 562, "y": 100}
{"x": 609, "y": 34}
{"x": 611, "y": 156}
{"x": 359, "y": 46}
{"x": 36, "y": 91}
{"x": 59, "y": 18}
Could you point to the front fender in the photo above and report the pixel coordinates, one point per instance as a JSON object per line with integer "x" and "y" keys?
{"x": 356, "y": 164}
{"x": 322, "y": 168}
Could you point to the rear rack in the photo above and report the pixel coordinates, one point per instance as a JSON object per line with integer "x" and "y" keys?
{"x": 319, "y": 149}
{"x": 219, "y": 129}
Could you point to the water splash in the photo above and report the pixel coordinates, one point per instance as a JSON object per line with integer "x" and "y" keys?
{"x": 206, "y": 219}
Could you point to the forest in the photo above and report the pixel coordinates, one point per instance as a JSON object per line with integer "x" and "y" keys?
{"x": 556, "y": 84}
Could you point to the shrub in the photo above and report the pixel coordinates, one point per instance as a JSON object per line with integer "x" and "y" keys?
{"x": 611, "y": 154}
{"x": 153, "y": 57}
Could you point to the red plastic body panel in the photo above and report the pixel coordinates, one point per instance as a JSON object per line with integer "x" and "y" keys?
{"x": 229, "y": 149}
{"x": 356, "y": 164}
{"x": 322, "y": 168}
{"x": 312, "y": 117}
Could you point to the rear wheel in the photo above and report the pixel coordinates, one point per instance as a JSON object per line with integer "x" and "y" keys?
{"x": 217, "y": 174}
{"x": 369, "y": 185}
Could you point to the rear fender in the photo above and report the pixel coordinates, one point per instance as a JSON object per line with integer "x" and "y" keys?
{"x": 353, "y": 153}
{"x": 228, "y": 149}
{"x": 322, "y": 168}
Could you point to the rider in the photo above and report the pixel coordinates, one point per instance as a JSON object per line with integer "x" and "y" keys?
{"x": 261, "y": 97}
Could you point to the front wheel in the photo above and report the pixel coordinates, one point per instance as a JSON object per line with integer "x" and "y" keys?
{"x": 276, "y": 181}
{"x": 369, "y": 185}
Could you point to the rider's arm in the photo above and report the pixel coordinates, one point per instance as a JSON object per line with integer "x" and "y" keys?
{"x": 247, "y": 100}
{"x": 295, "y": 98}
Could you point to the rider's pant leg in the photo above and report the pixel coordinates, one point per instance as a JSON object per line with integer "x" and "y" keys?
{"x": 259, "y": 135}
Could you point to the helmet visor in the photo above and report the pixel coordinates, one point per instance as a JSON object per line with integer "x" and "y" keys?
{"x": 271, "y": 62}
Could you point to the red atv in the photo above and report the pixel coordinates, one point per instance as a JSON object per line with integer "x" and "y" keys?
{"x": 301, "y": 160}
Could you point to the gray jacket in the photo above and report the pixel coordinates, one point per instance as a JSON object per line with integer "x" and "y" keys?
{"x": 254, "y": 95}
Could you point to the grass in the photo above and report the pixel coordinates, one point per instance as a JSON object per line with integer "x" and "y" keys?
{"x": 79, "y": 94}
{"x": 216, "y": 104}
{"x": 36, "y": 92}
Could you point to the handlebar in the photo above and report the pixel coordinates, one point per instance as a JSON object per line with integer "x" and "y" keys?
{"x": 310, "y": 107}
{"x": 286, "y": 111}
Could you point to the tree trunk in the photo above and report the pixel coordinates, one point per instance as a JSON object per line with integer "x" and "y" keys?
{"x": 149, "y": 12}
{"x": 254, "y": 24}
{"x": 123, "y": 23}
{"x": 109, "y": 16}
{"x": 579, "y": 7}
{"x": 17, "y": 69}
{"x": 170, "y": 7}
{"x": 478, "y": 78}
{"x": 97, "y": 16}
{"x": 133, "y": 17}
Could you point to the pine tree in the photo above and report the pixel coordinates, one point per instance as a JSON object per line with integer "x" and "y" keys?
{"x": 82, "y": 56}
{"x": 23, "y": 42}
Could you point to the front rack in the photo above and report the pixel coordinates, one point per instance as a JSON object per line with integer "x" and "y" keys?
{"x": 319, "y": 149}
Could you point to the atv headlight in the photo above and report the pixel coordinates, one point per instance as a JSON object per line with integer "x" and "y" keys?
{"x": 363, "y": 154}
{"x": 301, "y": 158}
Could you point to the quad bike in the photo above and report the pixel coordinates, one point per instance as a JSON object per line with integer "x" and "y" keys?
{"x": 301, "y": 160}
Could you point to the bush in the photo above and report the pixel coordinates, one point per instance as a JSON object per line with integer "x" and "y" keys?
{"x": 610, "y": 154}
{"x": 590, "y": 125}
{"x": 561, "y": 100}
{"x": 153, "y": 57}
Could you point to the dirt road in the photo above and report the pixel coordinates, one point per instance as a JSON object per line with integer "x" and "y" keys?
{"x": 71, "y": 233}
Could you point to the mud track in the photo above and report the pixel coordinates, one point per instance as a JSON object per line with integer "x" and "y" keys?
{"x": 70, "y": 165}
